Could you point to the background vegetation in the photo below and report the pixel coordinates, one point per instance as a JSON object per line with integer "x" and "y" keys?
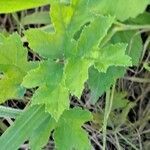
{"x": 128, "y": 123}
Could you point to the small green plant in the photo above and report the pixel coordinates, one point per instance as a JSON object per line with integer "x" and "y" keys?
{"x": 89, "y": 42}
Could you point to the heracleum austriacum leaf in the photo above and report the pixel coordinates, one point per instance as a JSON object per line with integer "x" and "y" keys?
{"x": 60, "y": 49}
{"x": 69, "y": 134}
{"x": 134, "y": 41}
{"x": 13, "y": 67}
{"x": 65, "y": 56}
{"x": 103, "y": 80}
{"x": 51, "y": 92}
{"x": 121, "y": 9}
{"x": 112, "y": 55}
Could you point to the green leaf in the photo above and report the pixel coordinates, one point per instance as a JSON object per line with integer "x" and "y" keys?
{"x": 61, "y": 46}
{"x": 60, "y": 43}
{"x": 56, "y": 100}
{"x": 105, "y": 80}
{"x": 23, "y": 127}
{"x": 48, "y": 45}
{"x": 135, "y": 44}
{"x": 76, "y": 73}
{"x": 13, "y": 67}
{"x": 68, "y": 134}
{"x": 66, "y": 22}
{"x": 40, "y": 135}
{"x": 122, "y": 117}
{"x": 10, "y": 83}
{"x": 61, "y": 15}
{"x": 2, "y": 38}
{"x": 100, "y": 82}
{"x": 9, "y": 6}
{"x": 51, "y": 92}
{"x": 93, "y": 34}
{"x": 66, "y": 15}
{"x": 121, "y": 9}
{"x": 147, "y": 66}
{"x": 36, "y": 18}
{"x": 12, "y": 51}
{"x": 48, "y": 73}
{"x": 112, "y": 55}
{"x": 119, "y": 100}
{"x": 142, "y": 18}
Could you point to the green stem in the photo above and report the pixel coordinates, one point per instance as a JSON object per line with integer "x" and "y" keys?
{"x": 19, "y": 25}
{"x": 108, "y": 37}
{"x": 9, "y": 112}
{"x": 108, "y": 107}
{"x": 3, "y": 127}
{"x": 124, "y": 27}
{"x": 105, "y": 120}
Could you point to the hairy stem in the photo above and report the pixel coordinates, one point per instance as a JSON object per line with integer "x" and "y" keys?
{"x": 9, "y": 112}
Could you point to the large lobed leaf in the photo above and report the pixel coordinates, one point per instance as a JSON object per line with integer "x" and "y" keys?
{"x": 112, "y": 55}
{"x": 64, "y": 70}
{"x": 51, "y": 92}
{"x": 93, "y": 34}
{"x": 105, "y": 80}
{"x": 121, "y": 9}
{"x": 134, "y": 41}
{"x": 47, "y": 45}
{"x": 99, "y": 82}
{"x": 68, "y": 134}
{"x": 13, "y": 67}
{"x": 57, "y": 47}
{"x": 76, "y": 73}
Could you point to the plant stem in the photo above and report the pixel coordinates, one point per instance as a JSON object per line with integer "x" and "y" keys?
{"x": 9, "y": 112}
{"x": 127, "y": 141}
{"x": 108, "y": 107}
{"x": 108, "y": 37}
{"x": 139, "y": 80}
{"x": 123, "y": 27}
